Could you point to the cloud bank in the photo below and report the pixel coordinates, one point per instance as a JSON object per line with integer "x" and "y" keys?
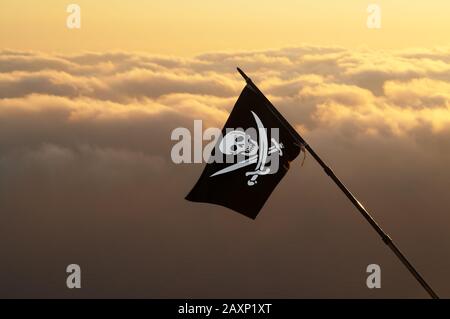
{"x": 85, "y": 173}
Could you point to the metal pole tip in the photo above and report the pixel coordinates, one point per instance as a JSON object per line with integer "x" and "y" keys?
{"x": 246, "y": 78}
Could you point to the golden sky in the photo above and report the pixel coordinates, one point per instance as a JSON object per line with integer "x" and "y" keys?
{"x": 86, "y": 174}
{"x": 183, "y": 27}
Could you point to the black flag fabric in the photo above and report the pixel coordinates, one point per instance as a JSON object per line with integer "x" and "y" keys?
{"x": 257, "y": 146}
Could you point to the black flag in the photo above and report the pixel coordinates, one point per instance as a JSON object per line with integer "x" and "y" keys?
{"x": 259, "y": 160}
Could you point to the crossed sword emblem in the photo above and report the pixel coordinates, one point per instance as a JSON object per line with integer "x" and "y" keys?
{"x": 260, "y": 159}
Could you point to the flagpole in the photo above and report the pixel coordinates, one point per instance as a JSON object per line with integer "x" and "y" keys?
{"x": 386, "y": 239}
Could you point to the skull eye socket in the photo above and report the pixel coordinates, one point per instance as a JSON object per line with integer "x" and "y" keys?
{"x": 239, "y": 139}
{"x": 234, "y": 148}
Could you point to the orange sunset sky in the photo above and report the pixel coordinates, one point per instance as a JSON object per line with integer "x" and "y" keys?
{"x": 86, "y": 175}
{"x": 188, "y": 27}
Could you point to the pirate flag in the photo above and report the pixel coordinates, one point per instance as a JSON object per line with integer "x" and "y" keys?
{"x": 250, "y": 158}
